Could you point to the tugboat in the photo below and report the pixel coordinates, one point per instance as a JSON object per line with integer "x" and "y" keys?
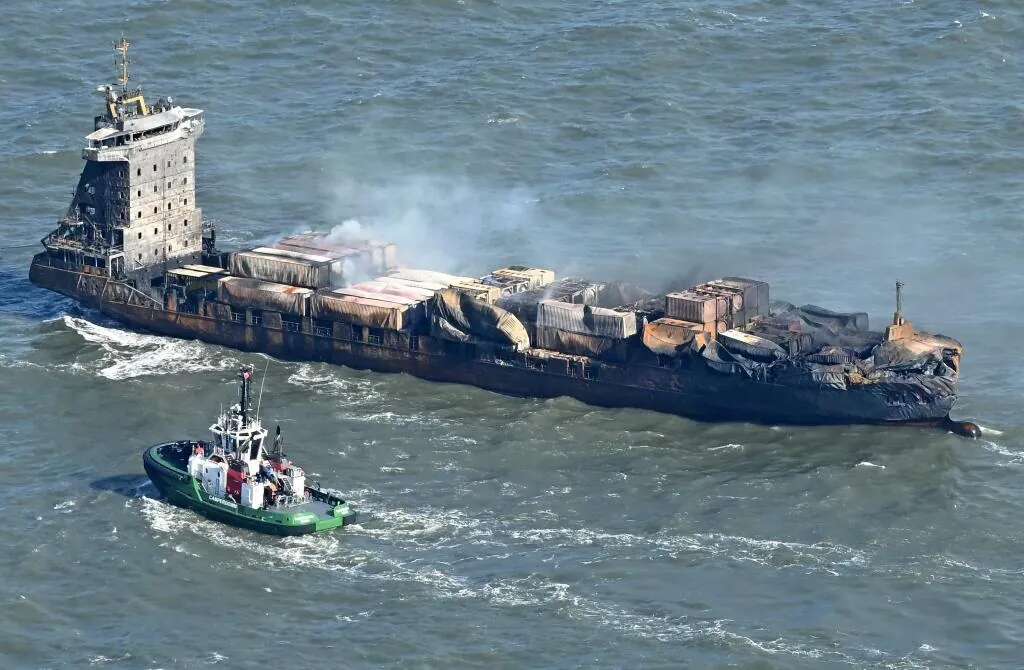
{"x": 234, "y": 479}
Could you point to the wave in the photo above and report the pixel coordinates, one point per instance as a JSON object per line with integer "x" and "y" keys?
{"x": 127, "y": 354}
{"x": 1014, "y": 455}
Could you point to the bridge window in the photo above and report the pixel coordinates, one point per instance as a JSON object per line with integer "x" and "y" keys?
{"x": 154, "y": 167}
{"x": 184, "y": 158}
{"x": 154, "y": 231}
{"x": 186, "y": 201}
{"x": 168, "y": 184}
{"x": 184, "y": 222}
{"x": 140, "y": 193}
{"x": 184, "y": 180}
{"x": 140, "y": 257}
{"x": 140, "y": 235}
{"x": 168, "y": 226}
{"x": 140, "y": 215}
{"x": 154, "y": 210}
{"x": 168, "y": 205}
{"x": 138, "y": 172}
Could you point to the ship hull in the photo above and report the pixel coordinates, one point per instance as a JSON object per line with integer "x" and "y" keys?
{"x": 180, "y": 489}
{"x": 695, "y": 392}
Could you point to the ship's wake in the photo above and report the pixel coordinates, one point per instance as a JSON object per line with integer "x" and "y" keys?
{"x": 416, "y": 547}
{"x": 124, "y": 354}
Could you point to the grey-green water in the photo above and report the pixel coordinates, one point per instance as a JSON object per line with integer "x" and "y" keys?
{"x": 830, "y": 150}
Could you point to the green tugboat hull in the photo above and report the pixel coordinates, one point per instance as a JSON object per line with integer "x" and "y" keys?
{"x": 166, "y": 465}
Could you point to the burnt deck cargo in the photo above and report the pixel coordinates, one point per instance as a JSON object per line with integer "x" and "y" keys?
{"x": 693, "y": 391}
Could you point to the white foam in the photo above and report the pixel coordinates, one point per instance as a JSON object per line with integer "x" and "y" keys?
{"x": 727, "y": 447}
{"x": 1013, "y": 455}
{"x": 127, "y": 354}
{"x": 869, "y": 464}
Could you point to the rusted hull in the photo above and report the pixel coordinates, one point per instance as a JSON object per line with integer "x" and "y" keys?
{"x": 694, "y": 392}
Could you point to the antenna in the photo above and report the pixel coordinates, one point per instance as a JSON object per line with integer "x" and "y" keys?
{"x": 259, "y": 401}
{"x": 121, "y": 64}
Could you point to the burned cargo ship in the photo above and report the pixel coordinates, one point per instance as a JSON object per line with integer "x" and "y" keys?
{"x": 134, "y": 245}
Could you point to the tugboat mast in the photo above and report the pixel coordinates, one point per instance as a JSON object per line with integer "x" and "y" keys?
{"x": 245, "y": 393}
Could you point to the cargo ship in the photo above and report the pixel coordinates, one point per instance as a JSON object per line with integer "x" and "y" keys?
{"x": 236, "y": 479}
{"x": 134, "y": 245}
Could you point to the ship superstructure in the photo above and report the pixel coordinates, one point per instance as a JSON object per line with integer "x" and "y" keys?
{"x": 134, "y": 211}
{"x": 133, "y": 245}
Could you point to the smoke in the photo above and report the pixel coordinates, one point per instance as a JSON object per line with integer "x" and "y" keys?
{"x": 446, "y": 224}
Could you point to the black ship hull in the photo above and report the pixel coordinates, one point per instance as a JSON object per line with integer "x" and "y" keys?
{"x": 695, "y": 392}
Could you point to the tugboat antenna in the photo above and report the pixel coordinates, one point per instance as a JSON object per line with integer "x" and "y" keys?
{"x": 259, "y": 400}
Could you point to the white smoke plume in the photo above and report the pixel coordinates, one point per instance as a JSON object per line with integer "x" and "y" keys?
{"x": 445, "y": 224}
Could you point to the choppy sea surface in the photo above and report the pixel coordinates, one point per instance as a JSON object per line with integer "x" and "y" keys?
{"x": 829, "y": 148}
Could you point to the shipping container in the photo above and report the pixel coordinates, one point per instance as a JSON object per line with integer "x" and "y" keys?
{"x": 518, "y": 278}
{"x": 697, "y": 307}
{"x": 586, "y": 319}
{"x": 756, "y": 295}
{"x": 246, "y": 293}
{"x": 367, "y": 309}
{"x": 441, "y": 280}
{"x": 286, "y": 267}
{"x": 397, "y": 287}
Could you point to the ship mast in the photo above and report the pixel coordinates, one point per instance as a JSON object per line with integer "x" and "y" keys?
{"x": 121, "y": 64}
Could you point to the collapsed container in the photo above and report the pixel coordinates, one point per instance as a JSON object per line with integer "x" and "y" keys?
{"x": 458, "y": 316}
{"x": 580, "y": 344}
{"x": 244, "y": 292}
{"x": 670, "y": 337}
{"x": 751, "y": 346}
